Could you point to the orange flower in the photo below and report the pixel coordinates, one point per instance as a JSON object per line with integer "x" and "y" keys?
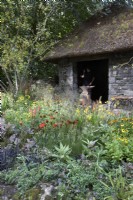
{"x": 68, "y": 122}
{"x": 75, "y": 122}
{"x": 42, "y": 125}
{"x": 55, "y": 125}
{"x": 33, "y": 112}
{"x": 21, "y": 123}
{"x": 51, "y": 117}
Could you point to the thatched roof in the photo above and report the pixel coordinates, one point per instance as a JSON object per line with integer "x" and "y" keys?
{"x": 99, "y": 35}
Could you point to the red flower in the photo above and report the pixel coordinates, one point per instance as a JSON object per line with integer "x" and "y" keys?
{"x": 75, "y": 122}
{"x": 51, "y": 117}
{"x": 42, "y": 125}
{"x": 68, "y": 122}
{"x": 55, "y": 125}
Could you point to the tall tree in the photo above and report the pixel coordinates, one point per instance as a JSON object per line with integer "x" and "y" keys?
{"x": 30, "y": 28}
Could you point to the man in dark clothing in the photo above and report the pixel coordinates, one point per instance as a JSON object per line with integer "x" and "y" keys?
{"x": 87, "y": 78}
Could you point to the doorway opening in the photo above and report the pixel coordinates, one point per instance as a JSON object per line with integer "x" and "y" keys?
{"x": 94, "y": 73}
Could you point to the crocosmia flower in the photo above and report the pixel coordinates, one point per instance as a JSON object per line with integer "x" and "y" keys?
{"x": 42, "y": 125}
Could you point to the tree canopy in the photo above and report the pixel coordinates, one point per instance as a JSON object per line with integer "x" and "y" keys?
{"x": 30, "y": 28}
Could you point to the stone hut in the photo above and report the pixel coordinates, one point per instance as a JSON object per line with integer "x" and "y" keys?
{"x": 103, "y": 45}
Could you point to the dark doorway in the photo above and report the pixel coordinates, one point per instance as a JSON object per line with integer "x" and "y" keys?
{"x": 94, "y": 73}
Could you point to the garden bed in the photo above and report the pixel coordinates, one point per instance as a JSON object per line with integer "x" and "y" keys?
{"x": 80, "y": 153}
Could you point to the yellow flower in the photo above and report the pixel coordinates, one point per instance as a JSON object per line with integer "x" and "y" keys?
{"x": 124, "y": 131}
{"x": 124, "y": 140}
{"x": 112, "y": 121}
{"x": 124, "y": 119}
{"x": 88, "y": 117}
{"x": 21, "y": 98}
{"x": 34, "y": 103}
{"x": 27, "y": 96}
{"x": 86, "y": 110}
{"x": 108, "y": 112}
{"x": 77, "y": 111}
{"x": 113, "y": 98}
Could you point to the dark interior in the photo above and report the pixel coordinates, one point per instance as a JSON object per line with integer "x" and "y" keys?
{"x": 96, "y": 74}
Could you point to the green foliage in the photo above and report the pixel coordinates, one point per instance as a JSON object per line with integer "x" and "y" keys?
{"x": 62, "y": 152}
{"x": 7, "y": 101}
{"x": 73, "y": 127}
{"x": 118, "y": 150}
{"x": 25, "y": 175}
{"x": 119, "y": 187}
{"x": 78, "y": 150}
{"x": 121, "y": 146}
{"x": 78, "y": 176}
{"x": 29, "y": 29}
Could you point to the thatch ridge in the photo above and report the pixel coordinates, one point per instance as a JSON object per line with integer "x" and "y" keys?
{"x": 100, "y": 34}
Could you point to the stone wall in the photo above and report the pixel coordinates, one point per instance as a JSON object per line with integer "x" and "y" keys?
{"x": 121, "y": 75}
{"x": 65, "y": 75}
{"x": 68, "y": 78}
